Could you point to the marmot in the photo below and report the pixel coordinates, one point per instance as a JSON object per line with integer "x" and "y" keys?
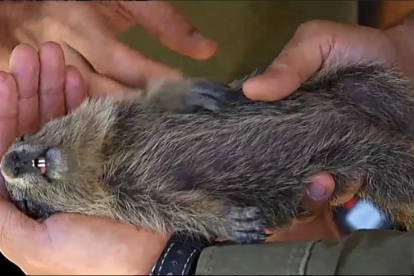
{"x": 198, "y": 157}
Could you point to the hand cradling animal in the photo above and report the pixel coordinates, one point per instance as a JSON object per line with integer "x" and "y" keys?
{"x": 198, "y": 157}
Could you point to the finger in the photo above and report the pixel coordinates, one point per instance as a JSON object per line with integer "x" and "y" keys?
{"x": 8, "y": 111}
{"x": 99, "y": 86}
{"x": 296, "y": 64}
{"x": 24, "y": 66}
{"x": 52, "y": 82}
{"x": 318, "y": 194}
{"x": 75, "y": 88}
{"x": 95, "y": 84}
{"x": 8, "y": 118}
{"x": 318, "y": 223}
{"x": 5, "y": 53}
{"x": 18, "y": 233}
{"x": 174, "y": 30}
{"x": 4, "y": 194}
{"x": 118, "y": 61}
{"x": 15, "y": 228}
{"x": 318, "y": 44}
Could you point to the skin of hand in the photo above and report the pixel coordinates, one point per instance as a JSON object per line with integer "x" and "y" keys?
{"x": 82, "y": 28}
{"x": 316, "y": 45}
{"x": 109, "y": 247}
{"x": 39, "y": 87}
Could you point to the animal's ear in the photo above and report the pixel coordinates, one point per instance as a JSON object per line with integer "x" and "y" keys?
{"x": 186, "y": 96}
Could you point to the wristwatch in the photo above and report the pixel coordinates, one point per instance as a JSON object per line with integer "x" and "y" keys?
{"x": 180, "y": 256}
{"x": 362, "y": 213}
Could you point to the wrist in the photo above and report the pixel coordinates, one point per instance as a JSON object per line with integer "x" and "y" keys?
{"x": 151, "y": 247}
{"x": 180, "y": 256}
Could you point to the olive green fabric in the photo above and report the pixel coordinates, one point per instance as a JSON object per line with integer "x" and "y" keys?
{"x": 365, "y": 252}
{"x": 249, "y": 34}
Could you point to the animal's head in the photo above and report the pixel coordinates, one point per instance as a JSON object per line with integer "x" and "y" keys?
{"x": 64, "y": 161}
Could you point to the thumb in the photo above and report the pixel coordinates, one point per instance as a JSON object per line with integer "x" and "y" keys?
{"x": 298, "y": 61}
{"x": 19, "y": 234}
{"x": 166, "y": 22}
{"x": 318, "y": 193}
{"x": 304, "y": 54}
{"x": 16, "y": 229}
{"x": 315, "y": 45}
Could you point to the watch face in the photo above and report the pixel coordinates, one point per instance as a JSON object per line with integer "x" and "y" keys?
{"x": 364, "y": 215}
{"x": 360, "y": 213}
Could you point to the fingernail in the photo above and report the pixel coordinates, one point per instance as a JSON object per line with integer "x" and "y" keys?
{"x": 199, "y": 38}
{"x": 279, "y": 66}
{"x": 317, "y": 191}
{"x": 259, "y": 78}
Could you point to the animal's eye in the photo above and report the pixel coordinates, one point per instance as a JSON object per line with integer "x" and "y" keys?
{"x": 23, "y": 138}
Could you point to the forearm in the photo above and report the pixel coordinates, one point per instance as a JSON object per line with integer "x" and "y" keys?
{"x": 377, "y": 252}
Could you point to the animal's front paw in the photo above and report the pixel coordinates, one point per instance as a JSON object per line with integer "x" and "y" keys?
{"x": 186, "y": 96}
{"x": 246, "y": 225}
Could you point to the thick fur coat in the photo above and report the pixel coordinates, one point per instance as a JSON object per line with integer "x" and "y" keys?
{"x": 198, "y": 157}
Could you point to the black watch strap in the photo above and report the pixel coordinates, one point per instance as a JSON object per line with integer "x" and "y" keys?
{"x": 180, "y": 256}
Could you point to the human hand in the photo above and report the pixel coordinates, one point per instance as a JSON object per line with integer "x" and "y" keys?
{"x": 318, "y": 200}
{"x": 64, "y": 244}
{"x": 87, "y": 34}
{"x": 317, "y": 45}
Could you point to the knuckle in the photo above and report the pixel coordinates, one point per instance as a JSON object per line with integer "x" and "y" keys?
{"x": 51, "y": 47}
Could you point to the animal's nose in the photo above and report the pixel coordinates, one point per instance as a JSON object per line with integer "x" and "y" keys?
{"x": 16, "y": 163}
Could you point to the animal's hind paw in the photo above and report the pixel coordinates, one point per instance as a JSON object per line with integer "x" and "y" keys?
{"x": 186, "y": 96}
{"x": 246, "y": 225}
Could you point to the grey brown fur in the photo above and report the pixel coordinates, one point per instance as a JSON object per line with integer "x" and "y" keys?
{"x": 197, "y": 158}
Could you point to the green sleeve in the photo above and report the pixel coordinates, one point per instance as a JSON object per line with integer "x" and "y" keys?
{"x": 373, "y": 252}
